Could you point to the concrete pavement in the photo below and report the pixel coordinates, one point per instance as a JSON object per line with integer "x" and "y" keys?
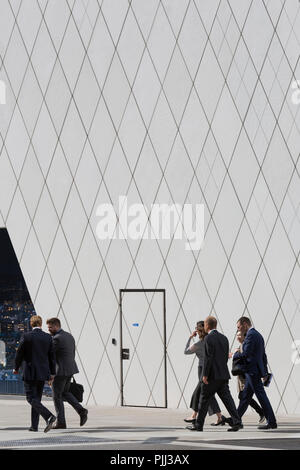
{"x": 122, "y": 428}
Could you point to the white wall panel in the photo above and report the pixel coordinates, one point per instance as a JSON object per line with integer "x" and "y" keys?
{"x": 170, "y": 101}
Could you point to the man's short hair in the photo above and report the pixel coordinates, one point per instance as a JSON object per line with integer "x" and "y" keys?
{"x": 54, "y": 321}
{"x": 211, "y": 322}
{"x": 246, "y": 320}
{"x": 36, "y": 320}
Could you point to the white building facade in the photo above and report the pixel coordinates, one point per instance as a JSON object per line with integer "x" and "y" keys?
{"x": 167, "y": 102}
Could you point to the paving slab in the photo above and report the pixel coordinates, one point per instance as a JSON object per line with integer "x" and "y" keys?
{"x": 129, "y": 428}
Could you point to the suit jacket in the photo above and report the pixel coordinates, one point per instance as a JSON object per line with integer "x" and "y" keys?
{"x": 64, "y": 347}
{"x": 36, "y": 350}
{"x": 254, "y": 355}
{"x": 216, "y": 350}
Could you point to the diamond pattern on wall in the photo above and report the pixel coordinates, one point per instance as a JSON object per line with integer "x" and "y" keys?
{"x": 163, "y": 101}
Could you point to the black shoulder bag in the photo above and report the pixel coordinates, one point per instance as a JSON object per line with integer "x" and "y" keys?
{"x": 238, "y": 366}
{"x": 76, "y": 390}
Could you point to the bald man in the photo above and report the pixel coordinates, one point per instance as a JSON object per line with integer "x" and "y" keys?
{"x": 215, "y": 376}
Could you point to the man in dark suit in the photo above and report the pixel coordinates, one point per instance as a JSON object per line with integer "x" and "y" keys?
{"x": 36, "y": 350}
{"x": 64, "y": 347}
{"x": 215, "y": 376}
{"x": 255, "y": 365}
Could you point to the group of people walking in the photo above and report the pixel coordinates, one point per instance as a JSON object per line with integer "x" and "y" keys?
{"x": 212, "y": 349}
{"x": 51, "y": 358}
{"x": 48, "y": 358}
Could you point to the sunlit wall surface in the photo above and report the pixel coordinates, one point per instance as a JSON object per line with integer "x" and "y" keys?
{"x": 186, "y": 101}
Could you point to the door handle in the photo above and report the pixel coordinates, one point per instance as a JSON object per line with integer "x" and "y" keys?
{"x": 125, "y": 354}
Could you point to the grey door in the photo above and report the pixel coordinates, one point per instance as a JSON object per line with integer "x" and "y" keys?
{"x": 143, "y": 347}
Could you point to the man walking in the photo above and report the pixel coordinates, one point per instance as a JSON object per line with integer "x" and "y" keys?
{"x": 64, "y": 347}
{"x": 36, "y": 350}
{"x": 215, "y": 376}
{"x": 255, "y": 363}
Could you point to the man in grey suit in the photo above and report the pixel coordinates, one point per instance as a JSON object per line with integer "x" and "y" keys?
{"x": 64, "y": 348}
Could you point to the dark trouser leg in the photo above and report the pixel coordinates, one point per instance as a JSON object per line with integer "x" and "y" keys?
{"x": 69, "y": 397}
{"x": 34, "y": 391}
{"x": 225, "y": 395}
{"x": 253, "y": 405}
{"x": 58, "y": 386}
{"x": 259, "y": 390}
{"x": 196, "y": 394}
{"x": 195, "y": 398}
{"x": 213, "y": 407}
{"x": 35, "y": 416}
{"x": 207, "y": 392}
{"x": 256, "y": 407}
{"x": 245, "y": 397}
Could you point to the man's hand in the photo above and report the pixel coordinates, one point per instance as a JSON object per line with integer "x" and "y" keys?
{"x": 230, "y": 355}
{"x": 205, "y": 381}
{"x": 15, "y": 372}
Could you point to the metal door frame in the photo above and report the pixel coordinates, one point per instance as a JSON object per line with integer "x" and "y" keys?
{"x": 121, "y": 345}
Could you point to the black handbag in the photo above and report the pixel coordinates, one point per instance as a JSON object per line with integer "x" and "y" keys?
{"x": 76, "y": 390}
{"x": 238, "y": 366}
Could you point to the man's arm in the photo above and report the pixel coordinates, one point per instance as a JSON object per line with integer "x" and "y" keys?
{"x": 265, "y": 360}
{"x": 249, "y": 346}
{"x": 20, "y": 354}
{"x": 56, "y": 344}
{"x": 51, "y": 358}
{"x": 209, "y": 350}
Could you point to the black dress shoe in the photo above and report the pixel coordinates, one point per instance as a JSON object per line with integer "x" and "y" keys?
{"x": 33, "y": 429}
{"x": 59, "y": 426}
{"x": 220, "y": 423}
{"x": 83, "y": 417}
{"x": 234, "y": 428}
{"x": 194, "y": 427}
{"x": 268, "y": 426}
{"x": 262, "y": 419}
{"x": 50, "y": 423}
{"x": 227, "y": 420}
{"x": 190, "y": 420}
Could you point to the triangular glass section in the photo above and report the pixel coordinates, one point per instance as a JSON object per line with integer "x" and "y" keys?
{"x": 16, "y": 308}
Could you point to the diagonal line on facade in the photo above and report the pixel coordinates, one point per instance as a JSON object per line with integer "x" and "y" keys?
{"x": 41, "y": 172}
{"x": 204, "y": 157}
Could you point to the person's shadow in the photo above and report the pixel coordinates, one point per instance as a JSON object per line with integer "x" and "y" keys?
{"x": 14, "y": 429}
